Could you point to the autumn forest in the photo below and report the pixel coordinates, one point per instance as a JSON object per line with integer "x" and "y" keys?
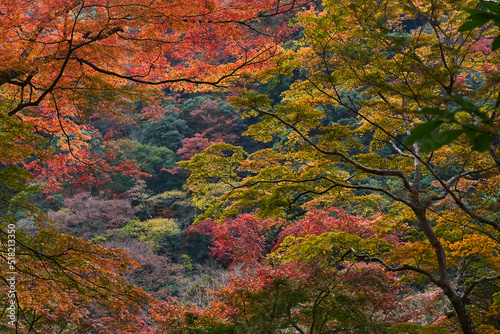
{"x": 249, "y": 166}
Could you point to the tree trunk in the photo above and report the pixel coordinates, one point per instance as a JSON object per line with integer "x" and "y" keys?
{"x": 444, "y": 281}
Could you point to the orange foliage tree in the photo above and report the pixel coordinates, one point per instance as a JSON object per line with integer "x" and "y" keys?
{"x": 63, "y": 61}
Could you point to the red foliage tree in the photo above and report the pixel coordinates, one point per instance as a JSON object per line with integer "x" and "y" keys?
{"x": 248, "y": 239}
{"x": 241, "y": 239}
{"x": 337, "y": 220}
{"x": 212, "y": 125}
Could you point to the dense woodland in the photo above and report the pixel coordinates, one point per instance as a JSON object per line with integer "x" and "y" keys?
{"x": 241, "y": 166}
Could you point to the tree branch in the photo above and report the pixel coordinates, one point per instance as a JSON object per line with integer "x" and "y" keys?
{"x": 343, "y": 156}
{"x": 479, "y": 281}
{"x": 216, "y": 83}
{"x": 390, "y": 268}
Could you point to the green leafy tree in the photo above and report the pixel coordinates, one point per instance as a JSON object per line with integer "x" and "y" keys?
{"x": 167, "y": 131}
{"x": 153, "y": 160}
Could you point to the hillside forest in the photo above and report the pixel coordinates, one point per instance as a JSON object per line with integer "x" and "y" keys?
{"x": 288, "y": 166}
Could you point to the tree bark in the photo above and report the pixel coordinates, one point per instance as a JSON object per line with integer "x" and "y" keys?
{"x": 444, "y": 282}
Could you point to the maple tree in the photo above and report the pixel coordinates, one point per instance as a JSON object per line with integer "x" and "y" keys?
{"x": 69, "y": 60}
{"x": 212, "y": 124}
{"x": 477, "y": 127}
{"x": 308, "y": 284}
{"x": 71, "y": 49}
{"x": 248, "y": 239}
{"x": 65, "y": 63}
{"x": 66, "y": 285}
{"x": 385, "y": 67}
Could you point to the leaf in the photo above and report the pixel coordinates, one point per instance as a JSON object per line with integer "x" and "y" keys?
{"x": 484, "y": 117}
{"x": 439, "y": 139}
{"x": 475, "y": 11}
{"x": 496, "y": 43}
{"x": 470, "y": 132}
{"x": 469, "y": 25}
{"x": 466, "y": 104}
{"x": 483, "y": 16}
{"x": 491, "y": 6}
{"x": 482, "y": 142}
{"x": 423, "y": 130}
